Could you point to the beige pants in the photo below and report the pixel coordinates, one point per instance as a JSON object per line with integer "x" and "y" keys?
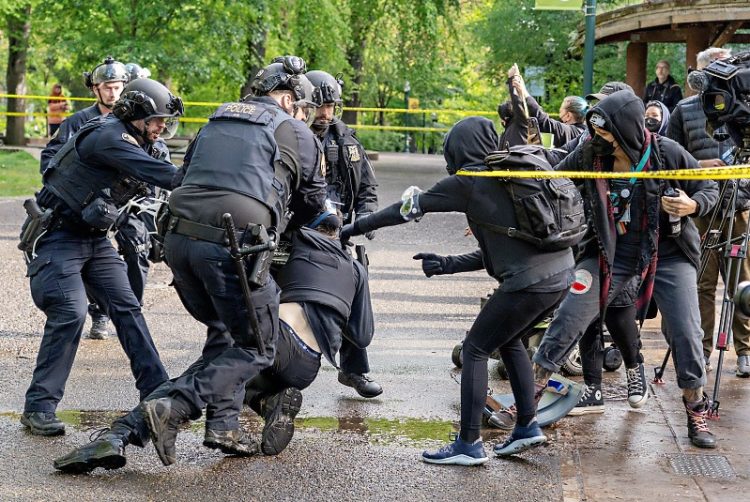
{"x": 707, "y": 290}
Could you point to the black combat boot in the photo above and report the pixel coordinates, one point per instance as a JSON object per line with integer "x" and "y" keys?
{"x": 43, "y": 423}
{"x": 364, "y": 385}
{"x": 164, "y": 417}
{"x": 279, "y": 411}
{"x": 697, "y": 425}
{"x": 106, "y": 449}
{"x": 234, "y": 442}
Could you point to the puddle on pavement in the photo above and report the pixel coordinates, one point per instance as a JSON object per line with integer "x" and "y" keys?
{"x": 375, "y": 430}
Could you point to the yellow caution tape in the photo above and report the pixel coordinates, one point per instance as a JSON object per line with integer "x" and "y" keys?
{"x": 707, "y": 173}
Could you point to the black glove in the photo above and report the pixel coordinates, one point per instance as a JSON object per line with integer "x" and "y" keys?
{"x": 433, "y": 264}
{"x": 347, "y": 231}
{"x": 370, "y": 235}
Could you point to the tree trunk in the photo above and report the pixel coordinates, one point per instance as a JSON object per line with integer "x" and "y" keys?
{"x": 19, "y": 26}
{"x": 356, "y": 57}
{"x": 256, "y": 55}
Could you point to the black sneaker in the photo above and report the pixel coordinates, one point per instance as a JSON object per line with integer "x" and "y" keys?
{"x": 279, "y": 411}
{"x": 697, "y": 424}
{"x": 164, "y": 418}
{"x": 98, "y": 329}
{"x": 234, "y": 442}
{"x": 43, "y": 423}
{"x": 591, "y": 402}
{"x": 637, "y": 386}
{"x": 106, "y": 450}
{"x": 364, "y": 385}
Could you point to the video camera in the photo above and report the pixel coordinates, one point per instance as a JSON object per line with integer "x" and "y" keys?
{"x": 724, "y": 87}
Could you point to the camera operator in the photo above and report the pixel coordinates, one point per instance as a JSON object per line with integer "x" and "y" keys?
{"x": 688, "y": 127}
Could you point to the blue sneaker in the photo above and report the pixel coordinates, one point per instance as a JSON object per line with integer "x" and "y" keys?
{"x": 521, "y": 439}
{"x": 458, "y": 452}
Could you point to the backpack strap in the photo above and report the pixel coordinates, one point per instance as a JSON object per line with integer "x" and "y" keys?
{"x": 511, "y": 232}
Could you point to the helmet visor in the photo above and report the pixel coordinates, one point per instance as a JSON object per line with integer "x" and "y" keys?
{"x": 307, "y": 110}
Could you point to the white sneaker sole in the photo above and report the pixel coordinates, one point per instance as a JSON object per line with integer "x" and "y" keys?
{"x": 456, "y": 460}
{"x": 637, "y": 402}
{"x": 520, "y": 445}
{"x": 586, "y": 410}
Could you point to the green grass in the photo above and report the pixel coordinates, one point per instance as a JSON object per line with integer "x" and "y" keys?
{"x": 19, "y": 173}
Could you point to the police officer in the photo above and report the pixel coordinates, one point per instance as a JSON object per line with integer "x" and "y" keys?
{"x": 352, "y": 188}
{"x": 106, "y": 82}
{"x": 254, "y": 161}
{"x": 324, "y": 292}
{"x": 79, "y": 202}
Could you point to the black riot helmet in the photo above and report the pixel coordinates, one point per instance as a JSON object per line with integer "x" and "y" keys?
{"x": 108, "y": 71}
{"x": 286, "y": 73}
{"x": 136, "y": 71}
{"x": 146, "y": 99}
{"x": 327, "y": 91}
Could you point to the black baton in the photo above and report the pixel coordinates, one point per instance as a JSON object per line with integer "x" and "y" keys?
{"x": 234, "y": 249}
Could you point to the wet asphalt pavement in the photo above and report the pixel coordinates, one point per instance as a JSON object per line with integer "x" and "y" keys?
{"x": 351, "y": 448}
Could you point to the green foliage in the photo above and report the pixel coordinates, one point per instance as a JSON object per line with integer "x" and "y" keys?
{"x": 382, "y": 141}
{"x": 19, "y": 173}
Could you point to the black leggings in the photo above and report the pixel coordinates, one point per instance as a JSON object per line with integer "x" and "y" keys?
{"x": 623, "y": 328}
{"x": 501, "y": 323}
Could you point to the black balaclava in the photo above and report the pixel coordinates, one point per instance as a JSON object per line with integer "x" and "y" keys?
{"x": 469, "y": 141}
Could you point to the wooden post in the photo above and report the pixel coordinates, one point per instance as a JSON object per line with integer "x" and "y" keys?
{"x": 696, "y": 41}
{"x": 635, "y": 66}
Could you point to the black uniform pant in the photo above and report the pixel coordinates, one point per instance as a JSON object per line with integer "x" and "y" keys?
{"x": 295, "y": 365}
{"x": 352, "y": 358}
{"x": 209, "y": 287}
{"x": 64, "y": 263}
{"x": 501, "y": 324}
{"x": 134, "y": 243}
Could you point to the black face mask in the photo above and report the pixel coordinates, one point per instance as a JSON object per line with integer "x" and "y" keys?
{"x": 653, "y": 124}
{"x": 601, "y": 147}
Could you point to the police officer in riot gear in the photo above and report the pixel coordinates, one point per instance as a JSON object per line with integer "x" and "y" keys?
{"x": 83, "y": 185}
{"x": 106, "y": 82}
{"x": 254, "y": 161}
{"x": 351, "y": 187}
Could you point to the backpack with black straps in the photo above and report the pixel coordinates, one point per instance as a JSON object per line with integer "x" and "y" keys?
{"x": 549, "y": 211}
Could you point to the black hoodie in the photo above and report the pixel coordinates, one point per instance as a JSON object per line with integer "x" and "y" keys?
{"x": 668, "y": 93}
{"x": 518, "y": 265}
{"x": 623, "y": 115}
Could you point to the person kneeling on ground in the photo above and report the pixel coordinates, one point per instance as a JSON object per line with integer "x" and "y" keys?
{"x": 324, "y": 294}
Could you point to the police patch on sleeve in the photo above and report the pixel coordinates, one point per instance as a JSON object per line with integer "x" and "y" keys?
{"x": 130, "y": 139}
{"x": 354, "y": 155}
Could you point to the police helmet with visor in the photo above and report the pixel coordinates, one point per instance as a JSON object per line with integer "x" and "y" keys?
{"x": 147, "y": 99}
{"x": 328, "y": 92}
{"x": 286, "y": 73}
{"x": 136, "y": 71}
{"x": 108, "y": 71}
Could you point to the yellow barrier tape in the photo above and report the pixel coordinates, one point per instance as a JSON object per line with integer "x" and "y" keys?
{"x": 366, "y": 127}
{"x": 707, "y": 173}
{"x": 216, "y": 104}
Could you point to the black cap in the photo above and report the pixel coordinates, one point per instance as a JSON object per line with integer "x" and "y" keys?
{"x": 609, "y": 88}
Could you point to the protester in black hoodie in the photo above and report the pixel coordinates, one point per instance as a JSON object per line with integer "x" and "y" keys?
{"x": 532, "y": 283}
{"x": 633, "y": 222}
{"x": 663, "y": 88}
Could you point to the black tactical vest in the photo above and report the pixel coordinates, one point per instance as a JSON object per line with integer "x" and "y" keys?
{"x": 343, "y": 165}
{"x": 318, "y": 271}
{"x": 237, "y": 151}
{"x": 75, "y": 182}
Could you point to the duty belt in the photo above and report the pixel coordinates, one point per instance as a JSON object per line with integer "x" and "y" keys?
{"x": 199, "y": 231}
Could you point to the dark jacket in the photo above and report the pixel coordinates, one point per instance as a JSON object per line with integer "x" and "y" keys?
{"x": 516, "y": 264}
{"x": 687, "y": 126}
{"x": 349, "y": 174}
{"x": 517, "y": 129}
{"x": 332, "y": 288}
{"x": 668, "y": 93}
{"x": 623, "y": 112}
{"x": 562, "y": 132}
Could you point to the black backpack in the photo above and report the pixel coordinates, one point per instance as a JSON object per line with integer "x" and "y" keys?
{"x": 549, "y": 211}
